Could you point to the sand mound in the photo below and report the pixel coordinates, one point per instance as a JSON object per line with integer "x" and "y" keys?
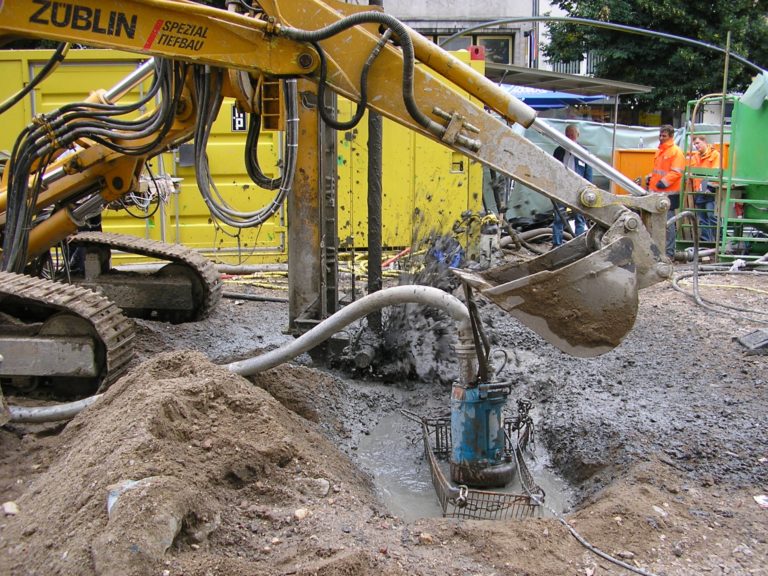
{"x": 200, "y": 463}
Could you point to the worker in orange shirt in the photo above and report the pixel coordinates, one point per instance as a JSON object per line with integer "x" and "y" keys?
{"x": 668, "y": 166}
{"x": 705, "y": 156}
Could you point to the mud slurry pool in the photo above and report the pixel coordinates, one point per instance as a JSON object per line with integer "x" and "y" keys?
{"x": 393, "y": 454}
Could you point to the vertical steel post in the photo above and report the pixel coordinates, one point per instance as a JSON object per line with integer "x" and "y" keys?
{"x": 304, "y": 263}
{"x": 375, "y": 139}
{"x": 720, "y": 237}
{"x": 329, "y": 240}
{"x": 312, "y": 229}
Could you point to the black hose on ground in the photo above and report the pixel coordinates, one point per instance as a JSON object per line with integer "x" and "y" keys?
{"x": 696, "y": 273}
{"x": 253, "y": 297}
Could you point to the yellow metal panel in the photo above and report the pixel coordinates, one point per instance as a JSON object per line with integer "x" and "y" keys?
{"x": 14, "y": 77}
{"x": 352, "y": 180}
{"x": 399, "y": 222}
{"x": 74, "y": 80}
{"x": 423, "y": 185}
{"x": 226, "y": 149}
{"x": 348, "y": 166}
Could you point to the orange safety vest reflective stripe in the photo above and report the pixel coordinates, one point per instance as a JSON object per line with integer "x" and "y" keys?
{"x": 668, "y": 165}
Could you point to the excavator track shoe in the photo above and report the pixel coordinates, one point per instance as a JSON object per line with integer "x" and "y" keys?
{"x": 39, "y": 314}
{"x": 186, "y": 289}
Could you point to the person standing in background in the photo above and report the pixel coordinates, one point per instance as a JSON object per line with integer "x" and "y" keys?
{"x": 668, "y": 166}
{"x": 582, "y": 169}
{"x": 705, "y": 156}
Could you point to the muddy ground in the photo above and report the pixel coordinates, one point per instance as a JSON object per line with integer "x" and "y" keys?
{"x": 664, "y": 442}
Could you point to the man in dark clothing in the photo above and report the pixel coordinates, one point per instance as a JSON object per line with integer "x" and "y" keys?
{"x": 582, "y": 169}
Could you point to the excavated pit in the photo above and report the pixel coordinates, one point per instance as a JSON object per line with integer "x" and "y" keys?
{"x": 393, "y": 454}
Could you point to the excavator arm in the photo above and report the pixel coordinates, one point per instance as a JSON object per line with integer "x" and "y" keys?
{"x": 582, "y": 297}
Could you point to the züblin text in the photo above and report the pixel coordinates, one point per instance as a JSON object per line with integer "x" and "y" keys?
{"x": 77, "y": 17}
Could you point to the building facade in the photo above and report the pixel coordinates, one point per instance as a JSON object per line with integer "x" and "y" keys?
{"x": 513, "y": 43}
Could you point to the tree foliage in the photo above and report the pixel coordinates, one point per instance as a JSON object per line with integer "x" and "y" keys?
{"x": 678, "y": 72}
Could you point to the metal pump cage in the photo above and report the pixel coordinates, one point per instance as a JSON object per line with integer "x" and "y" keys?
{"x": 464, "y": 502}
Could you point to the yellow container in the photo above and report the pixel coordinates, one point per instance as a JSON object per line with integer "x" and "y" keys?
{"x": 426, "y": 186}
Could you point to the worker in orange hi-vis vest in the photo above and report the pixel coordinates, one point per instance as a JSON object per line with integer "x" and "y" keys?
{"x": 668, "y": 166}
{"x": 705, "y": 156}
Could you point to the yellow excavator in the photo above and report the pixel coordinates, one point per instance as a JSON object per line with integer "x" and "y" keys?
{"x": 68, "y": 165}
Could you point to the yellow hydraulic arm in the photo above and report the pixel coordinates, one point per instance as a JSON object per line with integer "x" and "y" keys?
{"x": 370, "y": 57}
{"x": 176, "y": 29}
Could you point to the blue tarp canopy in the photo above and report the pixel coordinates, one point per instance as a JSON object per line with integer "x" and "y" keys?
{"x": 547, "y": 99}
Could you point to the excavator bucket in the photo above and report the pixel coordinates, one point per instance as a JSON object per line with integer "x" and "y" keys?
{"x": 582, "y": 302}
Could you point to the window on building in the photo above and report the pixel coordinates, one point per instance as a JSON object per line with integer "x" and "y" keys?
{"x": 498, "y": 49}
{"x": 460, "y": 43}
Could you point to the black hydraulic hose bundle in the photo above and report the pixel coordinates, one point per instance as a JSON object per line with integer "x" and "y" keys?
{"x": 403, "y": 38}
{"x": 252, "y": 142}
{"x": 48, "y": 135}
{"x": 252, "y": 165}
{"x": 206, "y": 79}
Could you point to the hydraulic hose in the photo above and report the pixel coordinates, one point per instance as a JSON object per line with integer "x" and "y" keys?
{"x": 718, "y": 307}
{"x": 217, "y": 205}
{"x": 362, "y": 105}
{"x": 51, "y": 65}
{"x": 426, "y": 295}
{"x": 403, "y": 37}
{"x": 39, "y": 414}
{"x": 532, "y": 234}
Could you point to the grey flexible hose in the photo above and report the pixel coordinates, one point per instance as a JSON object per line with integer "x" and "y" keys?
{"x": 426, "y": 295}
{"x": 40, "y": 414}
{"x": 391, "y": 296}
{"x": 219, "y": 207}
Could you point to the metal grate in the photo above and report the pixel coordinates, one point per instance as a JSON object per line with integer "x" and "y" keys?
{"x": 755, "y": 342}
{"x": 464, "y": 502}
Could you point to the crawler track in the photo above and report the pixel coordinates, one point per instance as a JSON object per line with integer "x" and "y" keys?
{"x": 209, "y": 289}
{"x": 32, "y": 300}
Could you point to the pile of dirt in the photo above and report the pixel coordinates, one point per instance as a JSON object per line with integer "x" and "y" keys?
{"x": 198, "y": 461}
